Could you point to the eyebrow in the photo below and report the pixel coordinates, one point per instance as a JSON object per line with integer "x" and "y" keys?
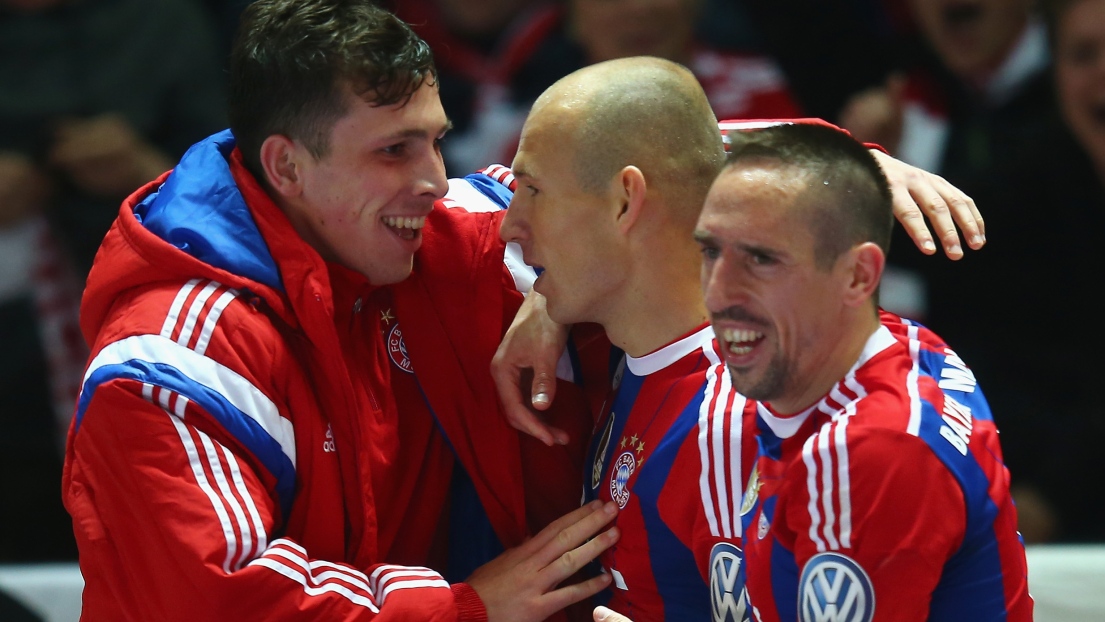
{"x": 700, "y": 236}
{"x": 419, "y": 133}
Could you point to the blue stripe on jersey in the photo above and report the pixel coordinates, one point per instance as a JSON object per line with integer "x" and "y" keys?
{"x": 623, "y": 404}
{"x": 490, "y": 188}
{"x": 971, "y": 585}
{"x": 768, "y": 443}
{"x": 784, "y": 570}
{"x": 239, "y": 425}
{"x": 680, "y": 584}
{"x": 200, "y": 210}
{"x": 952, "y": 381}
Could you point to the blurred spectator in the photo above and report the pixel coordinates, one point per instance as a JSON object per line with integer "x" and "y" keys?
{"x": 976, "y": 92}
{"x": 829, "y": 51}
{"x": 973, "y": 93}
{"x": 496, "y": 56}
{"x": 1021, "y": 309}
{"x": 96, "y": 98}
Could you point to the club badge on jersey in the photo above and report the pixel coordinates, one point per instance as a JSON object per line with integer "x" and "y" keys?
{"x": 397, "y": 349}
{"x": 628, "y": 462}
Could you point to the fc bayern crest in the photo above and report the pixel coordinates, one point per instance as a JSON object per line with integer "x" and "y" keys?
{"x": 835, "y": 588}
{"x": 397, "y": 350}
{"x": 619, "y": 478}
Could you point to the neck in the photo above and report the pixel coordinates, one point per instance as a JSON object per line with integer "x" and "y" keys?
{"x": 662, "y": 305}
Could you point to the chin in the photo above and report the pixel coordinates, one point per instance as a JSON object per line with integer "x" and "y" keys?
{"x": 388, "y": 276}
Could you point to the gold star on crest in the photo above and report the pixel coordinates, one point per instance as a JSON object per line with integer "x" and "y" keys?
{"x": 386, "y": 317}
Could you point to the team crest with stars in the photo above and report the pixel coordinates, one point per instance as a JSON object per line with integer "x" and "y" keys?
{"x": 397, "y": 349}
{"x": 628, "y": 462}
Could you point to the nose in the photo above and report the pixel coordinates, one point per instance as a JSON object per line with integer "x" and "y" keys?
{"x": 723, "y": 284}
{"x": 434, "y": 181}
{"x": 513, "y": 227}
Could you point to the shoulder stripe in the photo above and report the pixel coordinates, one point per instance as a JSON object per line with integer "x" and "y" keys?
{"x": 827, "y": 491}
{"x": 812, "y": 489}
{"x": 194, "y": 310}
{"x": 704, "y": 415}
{"x": 217, "y": 501}
{"x": 912, "y": 384}
{"x": 719, "y": 445}
{"x": 213, "y": 318}
{"x": 240, "y": 407}
{"x": 721, "y": 452}
{"x": 845, "y": 491}
{"x": 174, "y": 309}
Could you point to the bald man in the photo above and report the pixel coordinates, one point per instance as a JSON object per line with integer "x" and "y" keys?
{"x": 608, "y": 216}
{"x": 612, "y": 170}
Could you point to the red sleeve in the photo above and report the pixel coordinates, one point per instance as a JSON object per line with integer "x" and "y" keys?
{"x": 880, "y": 500}
{"x": 174, "y": 525}
{"x": 181, "y": 478}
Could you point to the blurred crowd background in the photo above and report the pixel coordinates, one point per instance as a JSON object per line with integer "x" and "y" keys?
{"x": 1004, "y": 98}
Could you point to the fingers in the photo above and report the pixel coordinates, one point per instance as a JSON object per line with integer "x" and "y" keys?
{"x": 570, "y": 594}
{"x": 599, "y": 515}
{"x": 543, "y": 389}
{"x": 964, "y": 211}
{"x": 602, "y": 614}
{"x": 929, "y": 201}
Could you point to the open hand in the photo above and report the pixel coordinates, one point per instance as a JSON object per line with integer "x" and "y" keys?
{"x": 522, "y": 583}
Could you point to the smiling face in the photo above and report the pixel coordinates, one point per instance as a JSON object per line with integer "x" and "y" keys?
{"x": 776, "y": 313}
{"x": 563, "y": 229}
{"x": 972, "y": 37}
{"x": 363, "y": 204}
{"x": 1080, "y": 74}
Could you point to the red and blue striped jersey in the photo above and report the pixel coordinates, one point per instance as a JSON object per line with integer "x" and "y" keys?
{"x": 669, "y": 453}
{"x": 886, "y": 500}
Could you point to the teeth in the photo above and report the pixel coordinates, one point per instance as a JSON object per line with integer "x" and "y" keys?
{"x": 739, "y": 336}
{"x": 400, "y": 222}
{"x": 735, "y": 349}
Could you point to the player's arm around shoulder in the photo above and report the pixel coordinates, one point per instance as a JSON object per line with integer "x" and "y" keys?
{"x": 876, "y": 510}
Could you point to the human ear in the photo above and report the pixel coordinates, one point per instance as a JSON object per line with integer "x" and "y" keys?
{"x": 280, "y": 162}
{"x": 865, "y": 266}
{"x": 630, "y": 191}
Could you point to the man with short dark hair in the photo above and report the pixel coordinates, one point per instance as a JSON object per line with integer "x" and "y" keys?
{"x": 256, "y": 436}
{"x": 609, "y": 217}
{"x": 879, "y": 492}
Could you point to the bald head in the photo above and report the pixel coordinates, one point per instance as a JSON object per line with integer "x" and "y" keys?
{"x": 645, "y": 112}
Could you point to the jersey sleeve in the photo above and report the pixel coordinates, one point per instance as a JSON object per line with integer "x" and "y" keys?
{"x": 873, "y": 513}
{"x": 176, "y": 477}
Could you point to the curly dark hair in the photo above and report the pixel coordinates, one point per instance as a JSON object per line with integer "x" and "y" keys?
{"x": 292, "y": 61}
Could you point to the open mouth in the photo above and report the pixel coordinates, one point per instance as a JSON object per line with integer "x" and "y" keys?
{"x": 407, "y": 228}
{"x": 739, "y": 341}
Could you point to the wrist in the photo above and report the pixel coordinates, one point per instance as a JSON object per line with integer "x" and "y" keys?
{"x": 470, "y": 607}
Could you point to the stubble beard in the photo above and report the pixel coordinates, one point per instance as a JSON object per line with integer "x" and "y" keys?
{"x": 770, "y": 386}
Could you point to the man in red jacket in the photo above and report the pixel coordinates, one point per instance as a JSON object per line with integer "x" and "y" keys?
{"x": 275, "y": 404}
